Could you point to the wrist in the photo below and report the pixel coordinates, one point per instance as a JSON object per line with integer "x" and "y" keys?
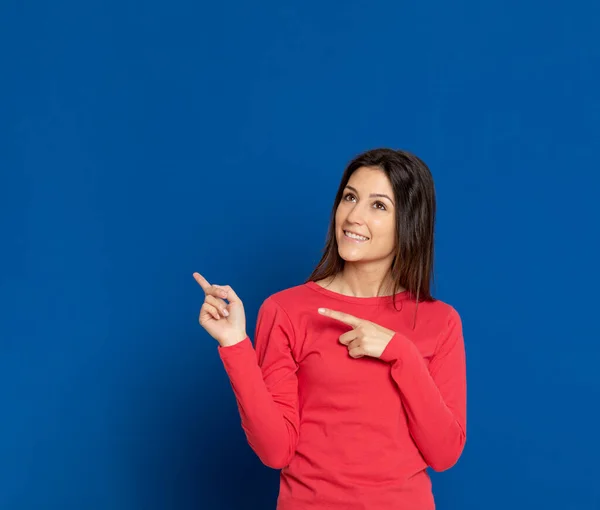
{"x": 393, "y": 349}
{"x": 233, "y": 340}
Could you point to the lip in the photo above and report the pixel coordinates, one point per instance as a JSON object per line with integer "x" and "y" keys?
{"x": 355, "y": 233}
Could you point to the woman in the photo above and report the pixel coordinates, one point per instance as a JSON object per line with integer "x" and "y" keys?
{"x": 356, "y": 382}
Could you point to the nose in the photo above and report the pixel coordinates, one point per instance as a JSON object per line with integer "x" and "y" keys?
{"x": 356, "y": 215}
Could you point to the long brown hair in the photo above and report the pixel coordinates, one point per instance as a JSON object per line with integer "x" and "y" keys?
{"x": 414, "y": 193}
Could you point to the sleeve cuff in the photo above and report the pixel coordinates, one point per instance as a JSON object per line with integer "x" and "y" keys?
{"x": 240, "y": 348}
{"x": 397, "y": 348}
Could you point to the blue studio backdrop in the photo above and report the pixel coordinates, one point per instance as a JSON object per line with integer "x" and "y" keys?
{"x": 143, "y": 141}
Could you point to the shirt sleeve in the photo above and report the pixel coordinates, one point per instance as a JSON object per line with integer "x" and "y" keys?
{"x": 265, "y": 385}
{"x": 434, "y": 397}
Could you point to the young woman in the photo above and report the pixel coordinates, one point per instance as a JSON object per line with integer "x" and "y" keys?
{"x": 356, "y": 382}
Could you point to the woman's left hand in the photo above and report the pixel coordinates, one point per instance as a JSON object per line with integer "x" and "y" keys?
{"x": 365, "y": 339}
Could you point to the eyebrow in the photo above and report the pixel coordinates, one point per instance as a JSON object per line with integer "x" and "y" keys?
{"x": 382, "y": 195}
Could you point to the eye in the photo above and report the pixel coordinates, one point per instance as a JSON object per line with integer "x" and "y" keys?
{"x": 379, "y": 205}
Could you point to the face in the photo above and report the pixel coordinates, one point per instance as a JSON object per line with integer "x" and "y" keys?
{"x": 367, "y": 210}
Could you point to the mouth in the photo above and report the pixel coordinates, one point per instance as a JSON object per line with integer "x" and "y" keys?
{"x": 352, "y": 236}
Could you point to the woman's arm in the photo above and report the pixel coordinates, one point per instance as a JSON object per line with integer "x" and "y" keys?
{"x": 265, "y": 385}
{"x": 434, "y": 397}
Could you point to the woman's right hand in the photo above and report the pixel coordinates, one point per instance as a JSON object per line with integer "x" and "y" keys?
{"x": 226, "y": 323}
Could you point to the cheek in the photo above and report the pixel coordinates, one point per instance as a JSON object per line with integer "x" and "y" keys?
{"x": 338, "y": 216}
{"x": 384, "y": 230}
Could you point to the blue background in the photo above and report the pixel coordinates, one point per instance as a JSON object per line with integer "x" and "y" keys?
{"x": 142, "y": 141}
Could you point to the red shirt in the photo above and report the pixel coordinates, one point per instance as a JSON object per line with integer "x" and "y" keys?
{"x": 351, "y": 433}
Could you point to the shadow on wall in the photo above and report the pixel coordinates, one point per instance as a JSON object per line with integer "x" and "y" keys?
{"x": 193, "y": 453}
{"x": 196, "y": 455}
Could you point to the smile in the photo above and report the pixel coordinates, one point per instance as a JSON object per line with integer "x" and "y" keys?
{"x": 355, "y": 237}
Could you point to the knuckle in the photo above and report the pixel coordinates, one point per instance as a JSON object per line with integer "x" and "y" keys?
{"x": 215, "y": 291}
{"x": 218, "y": 303}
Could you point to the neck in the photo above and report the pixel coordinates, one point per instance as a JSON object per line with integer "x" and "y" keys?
{"x": 362, "y": 280}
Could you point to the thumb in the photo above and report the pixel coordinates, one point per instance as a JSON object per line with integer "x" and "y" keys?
{"x": 232, "y": 297}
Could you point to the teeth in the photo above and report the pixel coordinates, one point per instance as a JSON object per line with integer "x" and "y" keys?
{"x": 355, "y": 236}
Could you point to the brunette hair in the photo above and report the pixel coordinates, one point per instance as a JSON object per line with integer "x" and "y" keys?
{"x": 414, "y": 195}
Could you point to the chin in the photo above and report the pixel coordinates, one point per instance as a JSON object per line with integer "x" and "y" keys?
{"x": 349, "y": 256}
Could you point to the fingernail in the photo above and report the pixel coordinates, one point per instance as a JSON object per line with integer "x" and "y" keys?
{"x": 225, "y": 312}
{"x": 321, "y": 310}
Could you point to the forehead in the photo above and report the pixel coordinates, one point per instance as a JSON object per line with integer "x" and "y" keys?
{"x": 370, "y": 180}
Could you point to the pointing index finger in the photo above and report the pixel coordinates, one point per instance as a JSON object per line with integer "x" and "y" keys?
{"x": 201, "y": 281}
{"x": 346, "y": 318}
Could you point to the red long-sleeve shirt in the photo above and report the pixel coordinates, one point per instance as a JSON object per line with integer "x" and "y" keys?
{"x": 351, "y": 433}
